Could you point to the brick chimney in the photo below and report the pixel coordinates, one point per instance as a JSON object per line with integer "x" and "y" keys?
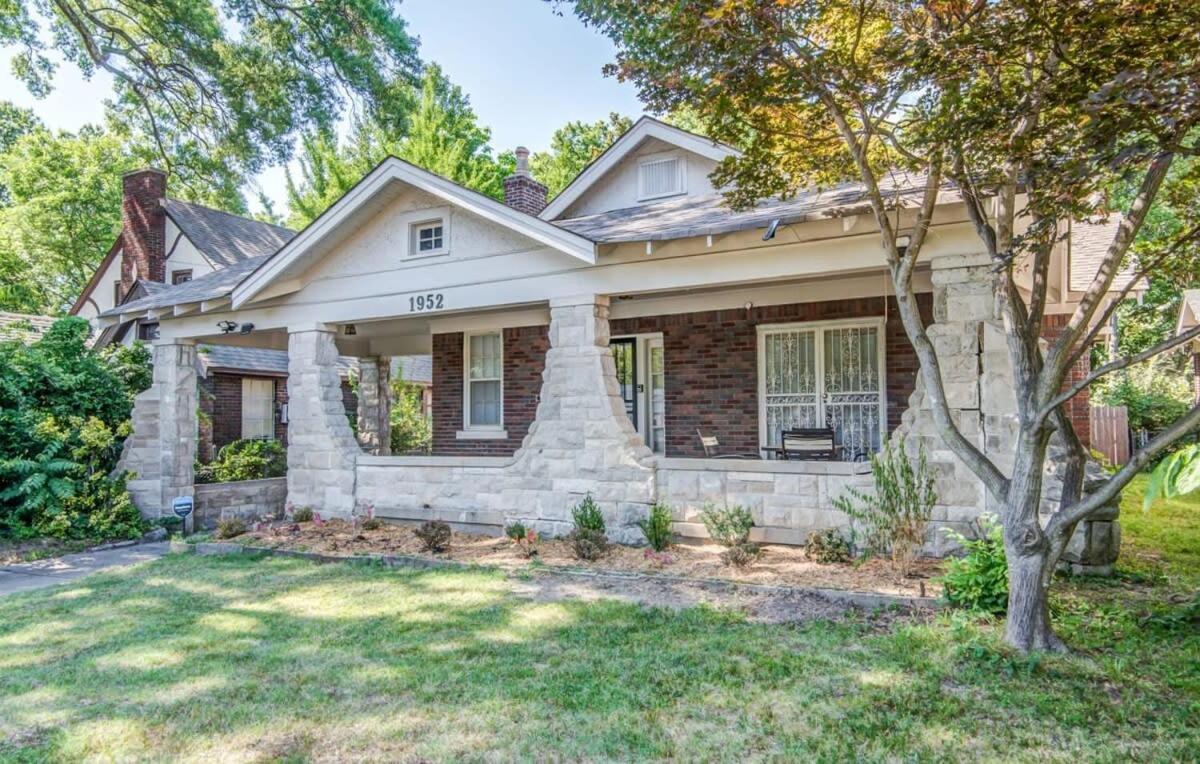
{"x": 143, "y": 227}
{"x": 521, "y": 191}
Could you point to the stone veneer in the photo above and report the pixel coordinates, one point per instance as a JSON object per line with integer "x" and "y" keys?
{"x": 374, "y": 404}
{"x": 247, "y": 500}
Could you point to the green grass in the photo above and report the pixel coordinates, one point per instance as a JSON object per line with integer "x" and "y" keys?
{"x": 229, "y": 658}
{"x": 1165, "y": 539}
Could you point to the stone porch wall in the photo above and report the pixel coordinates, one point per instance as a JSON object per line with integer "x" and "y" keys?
{"x": 247, "y": 500}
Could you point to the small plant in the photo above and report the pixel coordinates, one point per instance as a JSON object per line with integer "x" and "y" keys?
{"x": 434, "y": 535}
{"x": 525, "y": 538}
{"x": 587, "y": 515}
{"x": 895, "y": 516}
{"x": 250, "y": 459}
{"x": 588, "y": 544}
{"x": 827, "y": 546}
{"x": 230, "y": 527}
{"x": 729, "y": 526}
{"x": 372, "y": 524}
{"x": 742, "y": 554}
{"x": 979, "y": 579}
{"x": 302, "y": 515}
{"x": 659, "y": 559}
{"x": 657, "y": 527}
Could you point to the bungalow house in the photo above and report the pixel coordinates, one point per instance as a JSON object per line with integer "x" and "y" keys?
{"x": 1189, "y": 318}
{"x": 588, "y": 344}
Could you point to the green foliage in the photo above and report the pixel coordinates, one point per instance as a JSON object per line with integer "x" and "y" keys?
{"x": 434, "y": 535}
{"x": 827, "y": 546}
{"x": 1155, "y": 394}
{"x": 894, "y": 517}
{"x": 1176, "y": 475}
{"x": 588, "y": 544}
{"x": 525, "y": 538}
{"x": 372, "y": 524}
{"x": 728, "y": 526}
{"x": 657, "y": 527}
{"x": 572, "y": 147}
{"x": 303, "y": 515}
{"x": 587, "y": 515}
{"x": 742, "y": 554}
{"x": 979, "y": 579}
{"x": 412, "y": 431}
{"x": 229, "y": 527}
{"x": 249, "y": 460}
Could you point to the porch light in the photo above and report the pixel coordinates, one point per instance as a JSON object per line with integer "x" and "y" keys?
{"x": 247, "y": 328}
{"x": 226, "y": 326}
{"x": 771, "y": 228}
{"x": 349, "y": 330}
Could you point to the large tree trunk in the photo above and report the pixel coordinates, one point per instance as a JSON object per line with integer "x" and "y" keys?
{"x": 1028, "y": 624}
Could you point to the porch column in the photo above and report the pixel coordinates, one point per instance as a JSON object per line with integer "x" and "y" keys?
{"x": 162, "y": 448}
{"x": 375, "y": 405}
{"x": 581, "y": 440}
{"x": 321, "y": 448}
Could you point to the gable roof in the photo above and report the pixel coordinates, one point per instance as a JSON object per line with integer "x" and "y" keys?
{"x": 1189, "y": 310}
{"x": 210, "y": 286}
{"x": 224, "y": 238}
{"x": 644, "y": 128}
{"x": 1089, "y": 242}
{"x": 392, "y": 170}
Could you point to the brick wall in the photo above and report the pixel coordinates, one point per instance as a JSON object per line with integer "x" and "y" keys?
{"x": 1196, "y": 375}
{"x": 144, "y": 227}
{"x": 712, "y": 366}
{"x": 1079, "y": 407}
{"x": 524, "y": 359}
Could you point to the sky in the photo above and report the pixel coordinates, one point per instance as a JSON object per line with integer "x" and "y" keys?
{"x": 527, "y": 70}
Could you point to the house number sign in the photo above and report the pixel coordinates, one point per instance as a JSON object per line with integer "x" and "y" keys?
{"x": 423, "y": 302}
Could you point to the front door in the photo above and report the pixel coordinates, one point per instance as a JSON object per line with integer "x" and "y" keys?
{"x": 625, "y": 356}
{"x": 641, "y": 381}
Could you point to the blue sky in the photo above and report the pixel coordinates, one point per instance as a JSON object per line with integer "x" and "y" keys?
{"x": 527, "y": 72}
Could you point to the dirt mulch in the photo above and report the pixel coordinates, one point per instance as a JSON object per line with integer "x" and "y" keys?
{"x": 779, "y": 566}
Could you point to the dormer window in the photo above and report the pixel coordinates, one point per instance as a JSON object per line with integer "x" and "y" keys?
{"x": 660, "y": 176}
{"x": 428, "y": 237}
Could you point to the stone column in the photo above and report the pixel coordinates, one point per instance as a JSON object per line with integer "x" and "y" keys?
{"x": 321, "y": 446}
{"x": 375, "y": 405}
{"x": 162, "y": 448}
{"x": 581, "y": 441}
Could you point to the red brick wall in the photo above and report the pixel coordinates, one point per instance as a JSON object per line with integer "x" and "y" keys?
{"x": 524, "y": 359}
{"x": 1079, "y": 407}
{"x": 1196, "y": 375}
{"x": 712, "y": 366}
{"x": 144, "y": 227}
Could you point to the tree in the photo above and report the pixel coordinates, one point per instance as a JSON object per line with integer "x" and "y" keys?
{"x": 210, "y": 84}
{"x": 572, "y": 147}
{"x": 442, "y": 135}
{"x": 1031, "y": 109}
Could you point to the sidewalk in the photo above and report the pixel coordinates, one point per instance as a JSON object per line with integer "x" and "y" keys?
{"x": 27, "y": 576}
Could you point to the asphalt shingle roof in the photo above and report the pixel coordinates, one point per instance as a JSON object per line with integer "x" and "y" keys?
{"x": 1090, "y": 240}
{"x": 414, "y": 368}
{"x": 249, "y": 360}
{"x": 226, "y": 239}
{"x": 207, "y": 287}
{"x": 23, "y": 326}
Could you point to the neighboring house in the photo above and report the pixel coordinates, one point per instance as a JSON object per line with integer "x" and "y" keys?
{"x": 164, "y": 243}
{"x": 584, "y": 346}
{"x": 1189, "y": 318}
{"x": 417, "y": 370}
{"x": 25, "y": 327}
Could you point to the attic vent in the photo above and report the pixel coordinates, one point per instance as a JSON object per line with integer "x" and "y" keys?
{"x": 660, "y": 177}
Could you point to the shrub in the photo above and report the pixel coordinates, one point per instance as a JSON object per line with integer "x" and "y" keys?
{"x": 303, "y": 515}
{"x": 657, "y": 527}
{"x": 895, "y": 516}
{"x": 229, "y": 527}
{"x": 1154, "y": 394}
{"x": 525, "y": 538}
{"x": 587, "y": 515}
{"x": 729, "y": 526}
{"x": 979, "y": 579}
{"x": 742, "y": 554}
{"x": 249, "y": 460}
{"x": 411, "y": 429}
{"x": 588, "y": 544}
{"x": 372, "y": 524}
{"x": 827, "y": 546}
{"x": 434, "y": 535}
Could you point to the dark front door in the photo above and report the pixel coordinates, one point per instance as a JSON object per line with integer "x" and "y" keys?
{"x": 625, "y": 355}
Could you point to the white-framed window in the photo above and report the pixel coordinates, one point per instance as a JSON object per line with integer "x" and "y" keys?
{"x": 427, "y": 237}
{"x": 258, "y": 408}
{"x": 824, "y": 374}
{"x": 659, "y": 176}
{"x": 483, "y": 376}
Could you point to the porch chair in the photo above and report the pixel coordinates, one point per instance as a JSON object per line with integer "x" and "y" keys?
{"x": 809, "y": 444}
{"x": 712, "y": 448}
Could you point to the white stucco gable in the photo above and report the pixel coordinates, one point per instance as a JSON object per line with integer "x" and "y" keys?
{"x": 379, "y": 219}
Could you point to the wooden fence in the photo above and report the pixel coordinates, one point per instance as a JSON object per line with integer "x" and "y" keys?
{"x": 1110, "y": 432}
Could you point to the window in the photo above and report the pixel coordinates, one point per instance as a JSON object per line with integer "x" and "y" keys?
{"x": 116, "y": 293}
{"x": 428, "y": 238}
{"x": 258, "y": 408}
{"x": 181, "y": 277}
{"x": 484, "y": 381}
{"x": 660, "y": 177}
{"x": 823, "y": 375}
{"x": 148, "y": 332}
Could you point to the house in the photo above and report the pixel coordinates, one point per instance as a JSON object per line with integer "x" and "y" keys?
{"x": 24, "y": 327}
{"x": 583, "y": 346}
{"x": 1189, "y": 319}
{"x": 166, "y": 242}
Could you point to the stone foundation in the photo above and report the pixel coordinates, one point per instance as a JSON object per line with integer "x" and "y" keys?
{"x": 247, "y": 500}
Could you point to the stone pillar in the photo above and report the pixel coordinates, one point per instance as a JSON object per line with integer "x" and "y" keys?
{"x": 375, "y": 405}
{"x": 162, "y": 448}
{"x": 321, "y": 446}
{"x": 581, "y": 441}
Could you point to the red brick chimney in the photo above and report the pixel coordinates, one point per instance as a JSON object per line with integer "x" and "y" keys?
{"x": 144, "y": 227}
{"x": 521, "y": 191}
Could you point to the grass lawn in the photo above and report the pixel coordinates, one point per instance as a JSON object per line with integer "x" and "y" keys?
{"x": 206, "y": 658}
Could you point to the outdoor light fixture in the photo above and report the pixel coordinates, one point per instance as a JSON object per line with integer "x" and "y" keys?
{"x": 902, "y": 242}
{"x": 349, "y": 330}
{"x": 771, "y": 228}
{"x": 226, "y": 326}
{"x": 247, "y": 328}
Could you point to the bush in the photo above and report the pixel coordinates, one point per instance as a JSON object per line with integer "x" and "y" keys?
{"x": 827, "y": 546}
{"x": 249, "y": 460}
{"x": 588, "y": 544}
{"x": 587, "y": 515}
{"x": 1154, "y": 394}
{"x": 411, "y": 429}
{"x": 729, "y": 526}
{"x": 979, "y": 579}
{"x": 525, "y": 538}
{"x": 229, "y": 527}
{"x": 372, "y": 524}
{"x": 742, "y": 554}
{"x": 303, "y": 515}
{"x": 895, "y": 516}
{"x": 657, "y": 527}
{"x": 434, "y": 535}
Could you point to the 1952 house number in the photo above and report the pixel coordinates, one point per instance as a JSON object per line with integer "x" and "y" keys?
{"x": 431, "y": 301}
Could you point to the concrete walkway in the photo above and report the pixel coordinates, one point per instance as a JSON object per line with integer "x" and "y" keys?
{"x": 26, "y": 576}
